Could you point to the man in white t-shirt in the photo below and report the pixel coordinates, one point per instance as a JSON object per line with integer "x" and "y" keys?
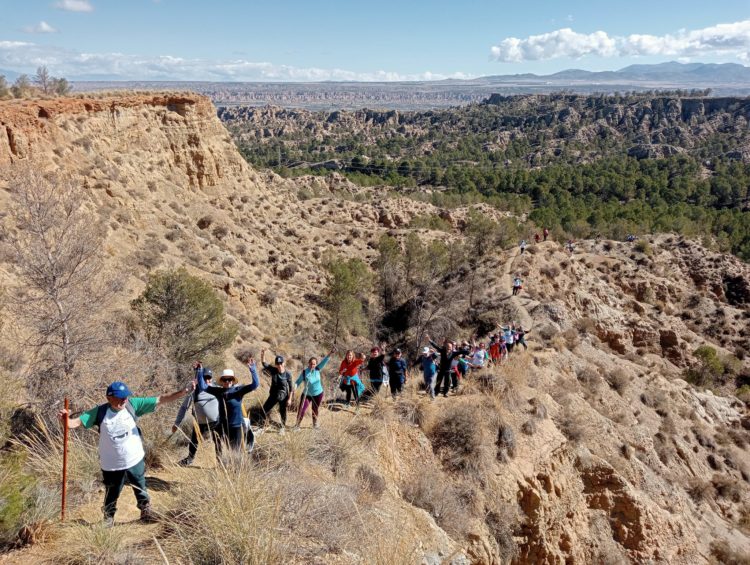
{"x": 121, "y": 453}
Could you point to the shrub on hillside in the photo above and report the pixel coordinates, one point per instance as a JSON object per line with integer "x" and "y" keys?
{"x": 458, "y": 437}
{"x": 183, "y": 316}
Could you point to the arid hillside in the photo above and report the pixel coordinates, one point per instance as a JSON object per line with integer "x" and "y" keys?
{"x": 589, "y": 447}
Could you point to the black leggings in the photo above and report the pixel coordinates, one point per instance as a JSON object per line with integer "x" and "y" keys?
{"x": 397, "y": 385}
{"x": 270, "y": 403}
{"x": 351, "y": 389}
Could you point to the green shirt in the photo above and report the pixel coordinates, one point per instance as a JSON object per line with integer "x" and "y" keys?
{"x": 141, "y": 407}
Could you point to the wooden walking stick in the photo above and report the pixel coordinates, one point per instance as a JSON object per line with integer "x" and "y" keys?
{"x": 65, "y": 463}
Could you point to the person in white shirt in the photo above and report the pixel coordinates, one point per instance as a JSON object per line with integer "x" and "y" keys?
{"x": 121, "y": 453}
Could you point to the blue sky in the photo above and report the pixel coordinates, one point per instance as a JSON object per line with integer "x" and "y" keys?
{"x": 337, "y": 39}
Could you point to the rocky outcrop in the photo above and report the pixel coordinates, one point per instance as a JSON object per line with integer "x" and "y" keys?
{"x": 181, "y": 127}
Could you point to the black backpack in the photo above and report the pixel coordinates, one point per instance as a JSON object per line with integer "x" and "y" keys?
{"x": 101, "y": 412}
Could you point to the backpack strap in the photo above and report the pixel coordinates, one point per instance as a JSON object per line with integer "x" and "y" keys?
{"x": 101, "y": 413}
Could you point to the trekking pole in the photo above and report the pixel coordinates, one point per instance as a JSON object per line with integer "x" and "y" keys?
{"x": 65, "y": 463}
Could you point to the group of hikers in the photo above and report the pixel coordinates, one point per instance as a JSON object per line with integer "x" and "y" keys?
{"x": 219, "y": 414}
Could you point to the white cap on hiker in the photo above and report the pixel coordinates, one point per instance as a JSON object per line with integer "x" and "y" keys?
{"x": 227, "y": 373}
{"x": 426, "y": 351}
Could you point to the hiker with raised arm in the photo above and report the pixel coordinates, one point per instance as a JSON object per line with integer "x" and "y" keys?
{"x": 230, "y": 397}
{"x": 447, "y": 353}
{"x": 206, "y": 413}
{"x": 520, "y": 336}
{"x": 121, "y": 453}
{"x": 509, "y": 337}
{"x": 312, "y": 391}
{"x": 479, "y": 357}
{"x": 281, "y": 387}
{"x": 397, "y": 373}
{"x": 350, "y": 382}
{"x": 427, "y": 361}
{"x": 376, "y": 368}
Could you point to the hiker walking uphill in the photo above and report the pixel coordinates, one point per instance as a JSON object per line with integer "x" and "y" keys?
{"x": 376, "y": 368}
{"x": 312, "y": 393}
{"x": 396, "y": 373}
{"x": 281, "y": 387}
{"x": 121, "y": 453}
{"x": 349, "y": 376}
{"x": 230, "y": 397}
{"x": 447, "y": 354}
{"x": 206, "y": 414}
{"x": 517, "y": 285}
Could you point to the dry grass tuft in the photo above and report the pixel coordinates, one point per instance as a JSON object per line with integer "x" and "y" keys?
{"x": 458, "y": 437}
{"x": 431, "y": 491}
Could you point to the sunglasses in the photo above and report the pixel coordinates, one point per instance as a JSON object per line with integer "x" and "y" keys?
{"x": 227, "y": 379}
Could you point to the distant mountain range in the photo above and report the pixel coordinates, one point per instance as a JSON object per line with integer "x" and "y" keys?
{"x": 727, "y": 79}
{"x": 688, "y": 74}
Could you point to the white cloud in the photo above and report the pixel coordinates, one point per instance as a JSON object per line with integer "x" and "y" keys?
{"x": 561, "y": 43}
{"x": 75, "y": 5}
{"x": 41, "y": 27}
{"x": 23, "y": 56}
{"x": 730, "y": 40}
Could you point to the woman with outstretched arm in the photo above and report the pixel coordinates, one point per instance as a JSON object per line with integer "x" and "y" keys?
{"x": 230, "y": 403}
{"x": 312, "y": 393}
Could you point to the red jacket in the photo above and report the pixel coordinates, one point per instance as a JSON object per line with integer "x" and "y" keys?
{"x": 349, "y": 368}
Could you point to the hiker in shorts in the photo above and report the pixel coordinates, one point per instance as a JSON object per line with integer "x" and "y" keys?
{"x": 349, "y": 376}
{"x": 396, "y": 373}
{"x": 377, "y": 369}
{"x": 517, "y": 285}
{"x": 447, "y": 354}
{"x": 427, "y": 361}
{"x": 312, "y": 393}
{"x": 523, "y": 246}
{"x": 206, "y": 414}
{"x": 281, "y": 387}
{"x": 230, "y": 395}
{"x": 121, "y": 453}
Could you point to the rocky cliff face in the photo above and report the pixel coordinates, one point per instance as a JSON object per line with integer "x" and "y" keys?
{"x": 602, "y": 451}
{"x": 181, "y": 129}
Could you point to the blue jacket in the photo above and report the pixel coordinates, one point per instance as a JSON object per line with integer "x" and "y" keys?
{"x": 397, "y": 369}
{"x": 230, "y": 399}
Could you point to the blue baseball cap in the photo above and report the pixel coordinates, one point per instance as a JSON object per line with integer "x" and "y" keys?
{"x": 279, "y": 360}
{"x": 118, "y": 389}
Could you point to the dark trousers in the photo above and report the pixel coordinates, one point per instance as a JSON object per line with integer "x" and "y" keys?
{"x": 206, "y": 430}
{"x": 376, "y": 387}
{"x": 114, "y": 481}
{"x": 229, "y": 435}
{"x": 397, "y": 385}
{"x": 272, "y": 401}
{"x": 454, "y": 378}
{"x": 443, "y": 377}
{"x": 351, "y": 389}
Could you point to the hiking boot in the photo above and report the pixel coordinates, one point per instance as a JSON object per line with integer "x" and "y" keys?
{"x": 109, "y": 521}
{"x": 282, "y": 431}
{"x": 186, "y": 462}
{"x": 148, "y": 516}
{"x": 316, "y": 426}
